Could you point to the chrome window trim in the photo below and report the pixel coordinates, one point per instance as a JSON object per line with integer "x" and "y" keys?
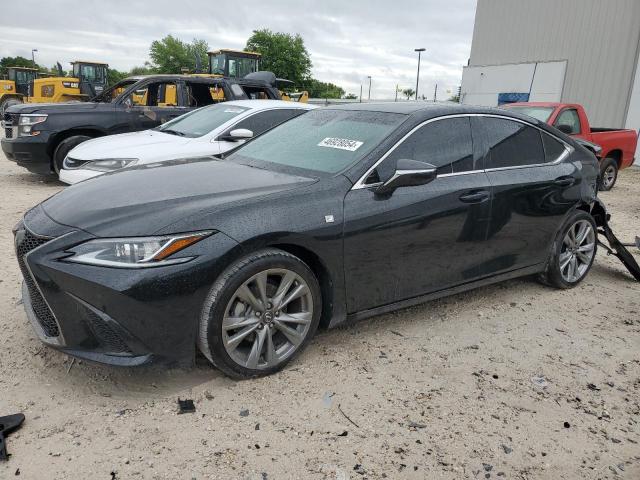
{"x": 567, "y": 148}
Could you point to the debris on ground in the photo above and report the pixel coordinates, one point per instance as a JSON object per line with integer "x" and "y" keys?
{"x": 186, "y": 406}
{"x": 8, "y": 425}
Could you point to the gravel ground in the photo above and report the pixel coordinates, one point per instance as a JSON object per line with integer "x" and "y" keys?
{"x": 510, "y": 381}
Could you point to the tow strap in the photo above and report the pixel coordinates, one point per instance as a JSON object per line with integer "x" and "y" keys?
{"x": 615, "y": 247}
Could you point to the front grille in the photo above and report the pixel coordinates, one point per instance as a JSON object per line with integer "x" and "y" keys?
{"x": 40, "y": 308}
{"x": 9, "y": 120}
{"x": 107, "y": 336}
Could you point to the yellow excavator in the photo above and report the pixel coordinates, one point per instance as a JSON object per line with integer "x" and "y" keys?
{"x": 26, "y": 85}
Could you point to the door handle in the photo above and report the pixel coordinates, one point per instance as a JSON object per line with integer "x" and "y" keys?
{"x": 477, "y": 196}
{"x": 564, "y": 181}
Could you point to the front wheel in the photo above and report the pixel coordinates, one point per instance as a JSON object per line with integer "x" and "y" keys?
{"x": 63, "y": 149}
{"x": 260, "y": 313}
{"x": 608, "y": 174}
{"x": 572, "y": 253}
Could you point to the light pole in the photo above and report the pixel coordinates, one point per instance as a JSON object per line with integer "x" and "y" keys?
{"x": 419, "y": 50}
{"x": 33, "y": 58}
{"x": 369, "y": 77}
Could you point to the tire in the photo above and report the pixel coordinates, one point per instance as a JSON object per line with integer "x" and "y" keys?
{"x": 608, "y": 174}
{"x": 9, "y": 102}
{"x": 63, "y": 149}
{"x": 579, "y": 254}
{"x": 228, "y": 304}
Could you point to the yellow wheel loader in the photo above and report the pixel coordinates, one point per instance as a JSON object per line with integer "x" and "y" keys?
{"x": 25, "y": 85}
{"x": 238, "y": 64}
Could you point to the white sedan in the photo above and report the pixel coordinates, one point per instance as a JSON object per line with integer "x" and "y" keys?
{"x": 211, "y": 130}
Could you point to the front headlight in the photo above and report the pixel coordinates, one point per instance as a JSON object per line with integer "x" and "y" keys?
{"x": 110, "y": 164}
{"x": 134, "y": 252}
{"x": 26, "y": 123}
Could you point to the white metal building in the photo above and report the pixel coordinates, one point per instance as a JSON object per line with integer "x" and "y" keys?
{"x": 579, "y": 51}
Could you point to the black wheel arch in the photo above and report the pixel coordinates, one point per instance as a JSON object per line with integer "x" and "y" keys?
{"x": 58, "y": 137}
{"x": 298, "y": 246}
{"x": 615, "y": 155}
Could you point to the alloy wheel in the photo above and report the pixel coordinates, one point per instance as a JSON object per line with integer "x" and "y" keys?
{"x": 578, "y": 248}
{"x": 267, "y": 318}
{"x": 608, "y": 176}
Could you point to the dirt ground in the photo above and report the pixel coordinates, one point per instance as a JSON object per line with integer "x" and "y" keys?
{"x": 511, "y": 381}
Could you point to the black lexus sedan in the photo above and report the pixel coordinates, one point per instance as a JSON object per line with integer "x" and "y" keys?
{"x": 340, "y": 214}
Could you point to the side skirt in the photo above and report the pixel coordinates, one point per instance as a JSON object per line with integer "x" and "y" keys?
{"x": 522, "y": 272}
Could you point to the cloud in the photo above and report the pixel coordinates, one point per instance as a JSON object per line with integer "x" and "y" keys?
{"x": 348, "y": 41}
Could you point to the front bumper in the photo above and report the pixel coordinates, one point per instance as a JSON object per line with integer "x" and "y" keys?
{"x": 28, "y": 152}
{"x": 117, "y": 316}
{"x": 77, "y": 175}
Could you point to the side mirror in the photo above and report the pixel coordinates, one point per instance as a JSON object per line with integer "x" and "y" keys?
{"x": 409, "y": 173}
{"x": 564, "y": 128}
{"x": 237, "y": 135}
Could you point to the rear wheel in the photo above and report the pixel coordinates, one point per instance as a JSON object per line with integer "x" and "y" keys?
{"x": 63, "y": 149}
{"x": 572, "y": 253}
{"x": 608, "y": 174}
{"x": 260, "y": 313}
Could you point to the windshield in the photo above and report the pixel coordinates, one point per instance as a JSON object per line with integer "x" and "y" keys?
{"x": 95, "y": 74}
{"x": 202, "y": 121}
{"x": 539, "y": 113}
{"x": 111, "y": 94}
{"x": 321, "y": 140}
{"x": 216, "y": 64}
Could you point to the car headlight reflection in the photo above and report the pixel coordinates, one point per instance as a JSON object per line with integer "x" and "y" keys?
{"x": 110, "y": 164}
{"x": 134, "y": 252}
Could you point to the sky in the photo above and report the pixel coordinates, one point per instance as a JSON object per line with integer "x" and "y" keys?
{"x": 347, "y": 40}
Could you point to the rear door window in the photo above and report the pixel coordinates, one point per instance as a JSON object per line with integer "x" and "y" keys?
{"x": 446, "y": 144}
{"x": 552, "y": 148}
{"x": 511, "y": 144}
{"x": 200, "y": 94}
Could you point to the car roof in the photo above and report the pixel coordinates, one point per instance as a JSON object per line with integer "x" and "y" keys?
{"x": 269, "y": 104}
{"x": 422, "y": 110}
{"x": 199, "y": 79}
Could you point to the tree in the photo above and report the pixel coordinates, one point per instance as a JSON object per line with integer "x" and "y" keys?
{"x": 282, "y": 53}
{"x": 16, "y": 62}
{"x": 146, "y": 69}
{"x": 171, "y": 55}
{"x": 408, "y": 92}
{"x": 114, "y": 76}
{"x": 318, "y": 89}
{"x": 350, "y": 96}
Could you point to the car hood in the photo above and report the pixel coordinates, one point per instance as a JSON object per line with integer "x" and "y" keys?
{"x": 140, "y": 145}
{"x": 142, "y": 200}
{"x": 66, "y": 107}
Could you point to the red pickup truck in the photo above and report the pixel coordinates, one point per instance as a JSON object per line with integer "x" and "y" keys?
{"x": 618, "y": 146}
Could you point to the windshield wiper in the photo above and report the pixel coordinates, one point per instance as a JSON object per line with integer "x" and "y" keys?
{"x": 172, "y": 132}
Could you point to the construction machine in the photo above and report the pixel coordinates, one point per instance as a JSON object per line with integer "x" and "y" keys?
{"x": 233, "y": 63}
{"x": 26, "y": 85}
{"x": 239, "y": 64}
